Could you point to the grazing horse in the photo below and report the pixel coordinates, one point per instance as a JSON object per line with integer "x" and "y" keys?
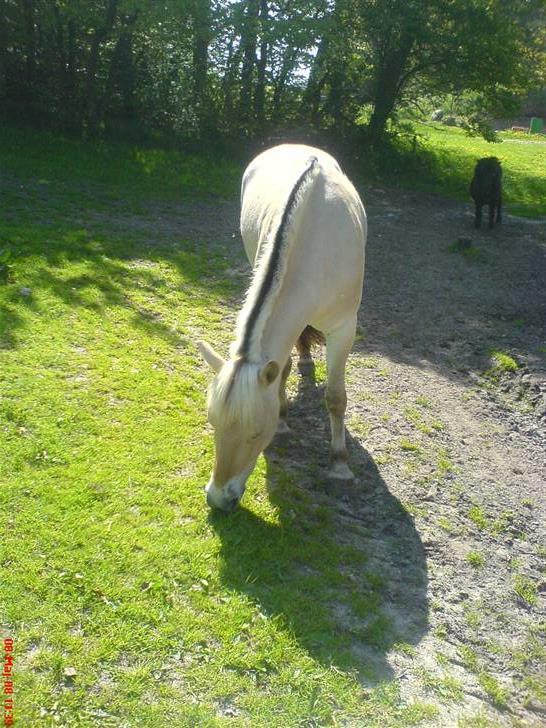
{"x": 304, "y": 230}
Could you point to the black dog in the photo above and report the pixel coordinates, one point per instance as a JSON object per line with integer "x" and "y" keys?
{"x": 486, "y": 189}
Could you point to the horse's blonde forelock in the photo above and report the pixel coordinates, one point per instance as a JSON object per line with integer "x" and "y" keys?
{"x": 232, "y": 396}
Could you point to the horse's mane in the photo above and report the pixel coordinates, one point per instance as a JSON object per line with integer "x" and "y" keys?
{"x": 270, "y": 269}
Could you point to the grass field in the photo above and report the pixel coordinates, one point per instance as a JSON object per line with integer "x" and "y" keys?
{"x": 129, "y": 603}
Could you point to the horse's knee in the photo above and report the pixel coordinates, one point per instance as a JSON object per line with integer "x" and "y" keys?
{"x": 287, "y": 369}
{"x": 336, "y": 401}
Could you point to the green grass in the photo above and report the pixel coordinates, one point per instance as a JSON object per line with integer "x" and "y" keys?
{"x": 129, "y": 602}
{"x": 444, "y": 158}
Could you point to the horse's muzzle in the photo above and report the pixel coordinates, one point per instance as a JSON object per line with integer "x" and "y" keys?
{"x": 226, "y": 498}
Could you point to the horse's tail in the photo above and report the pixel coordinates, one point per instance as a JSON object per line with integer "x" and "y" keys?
{"x": 310, "y": 337}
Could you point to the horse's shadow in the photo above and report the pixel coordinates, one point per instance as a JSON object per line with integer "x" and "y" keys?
{"x": 342, "y": 567}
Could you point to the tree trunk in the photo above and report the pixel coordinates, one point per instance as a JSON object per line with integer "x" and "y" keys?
{"x": 3, "y": 51}
{"x": 201, "y": 39}
{"x": 248, "y": 43}
{"x": 388, "y": 87}
{"x": 288, "y": 63}
{"x": 99, "y": 36}
{"x": 30, "y": 43}
{"x": 228, "y": 81}
{"x": 311, "y": 97}
{"x": 259, "y": 98}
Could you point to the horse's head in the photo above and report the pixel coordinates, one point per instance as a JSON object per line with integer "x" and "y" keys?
{"x": 243, "y": 408}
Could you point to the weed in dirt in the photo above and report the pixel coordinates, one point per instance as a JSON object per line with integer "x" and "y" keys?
{"x": 473, "y": 616}
{"x": 444, "y": 465}
{"x": 495, "y": 691}
{"x": 409, "y": 446}
{"x": 446, "y": 687}
{"x": 480, "y": 720}
{"x": 357, "y": 426}
{"x": 415, "y": 417}
{"x": 471, "y": 253}
{"x": 404, "y": 648}
{"x": 502, "y": 523}
{"x": 535, "y": 687}
{"x": 478, "y": 517}
{"x": 369, "y": 362}
{"x": 501, "y": 363}
{"x": 533, "y": 649}
{"x": 468, "y": 657}
{"x": 475, "y": 559}
{"x": 448, "y": 526}
{"x": 526, "y": 589}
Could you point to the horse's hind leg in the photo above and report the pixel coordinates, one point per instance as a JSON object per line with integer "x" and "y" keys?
{"x": 478, "y": 216}
{"x": 338, "y": 346}
{"x": 305, "y": 360}
{"x": 283, "y": 409}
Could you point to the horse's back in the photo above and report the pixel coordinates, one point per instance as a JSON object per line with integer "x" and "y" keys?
{"x": 334, "y": 208}
{"x": 322, "y": 283}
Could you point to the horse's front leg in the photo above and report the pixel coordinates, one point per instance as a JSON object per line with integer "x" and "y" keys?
{"x": 338, "y": 346}
{"x": 492, "y": 215}
{"x": 283, "y": 401}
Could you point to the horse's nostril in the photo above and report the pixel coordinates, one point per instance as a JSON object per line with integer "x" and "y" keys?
{"x": 223, "y": 504}
{"x": 232, "y": 504}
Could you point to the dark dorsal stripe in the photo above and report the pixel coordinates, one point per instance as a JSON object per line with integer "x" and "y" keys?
{"x": 274, "y": 259}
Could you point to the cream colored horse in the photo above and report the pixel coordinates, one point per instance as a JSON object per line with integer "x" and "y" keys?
{"x": 304, "y": 229}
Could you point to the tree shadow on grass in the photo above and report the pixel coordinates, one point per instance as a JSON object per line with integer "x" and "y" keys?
{"x": 111, "y": 273}
{"x": 343, "y": 567}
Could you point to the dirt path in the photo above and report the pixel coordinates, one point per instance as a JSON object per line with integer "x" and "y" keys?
{"x": 430, "y": 435}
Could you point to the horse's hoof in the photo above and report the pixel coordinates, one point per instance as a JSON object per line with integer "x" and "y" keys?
{"x": 341, "y": 471}
{"x": 282, "y": 428}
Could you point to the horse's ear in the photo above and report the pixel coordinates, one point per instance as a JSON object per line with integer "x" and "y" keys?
{"x": 268, "y": 373}
{"x": 213, "y": 359}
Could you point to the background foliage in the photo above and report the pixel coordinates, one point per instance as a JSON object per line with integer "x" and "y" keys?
{"x": 214, "y": 69}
